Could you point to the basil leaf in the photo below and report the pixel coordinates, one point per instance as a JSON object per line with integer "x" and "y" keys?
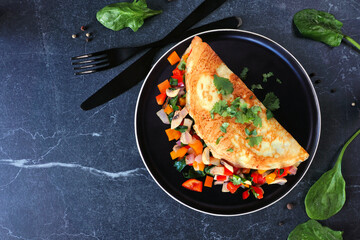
{"x": 191, "y": 173}
{"x": 170, "y": 116}
{"x": 224, "y": 126}
{"x": 125, "y": 14}
{"x": 327, "y": 196}
{"x": 314, "y": 230}
{"x": 173, "y": 81}
{"x": 182, "y": 65}
{"x": 181, "y": 128}
{"x": 223, "y": 85}
{"x": 180, "y": 164}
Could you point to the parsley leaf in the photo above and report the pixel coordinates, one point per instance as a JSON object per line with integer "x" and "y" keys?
{"x": 249, "y": 133}
{"x": 173, "y": 81}
{"x": 181, "y": 128}
{"x": 224, "y": 127}
{"x": 182, "y": 65}
{"x": 254, "y": 140}
{"x": 256, "y": 86}
{"x": 219, "y": 107}
{"x": 224, "y": 86}
{"x": 267, "y": 75}
{"x": 243, "y": 73}
{"x": 271, "y": 101}
{"x": 218, "y": 140}
{"x": 230, "y": 150}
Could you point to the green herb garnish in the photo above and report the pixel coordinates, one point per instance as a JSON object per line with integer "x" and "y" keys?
{"x": 321, "y": 26}
{"x": 219, "y": 107}
{"x": 254, "y": 140}
{"x": 224, "y": 127}
{"x": 191, "y": 173}
{"x": 218, "y": 140}
{"x": 271, "y": 101}
{"x": 269, "y": 114}
{"x": 314, "y": 230}
{"x": 327, "y": 196}
{"x": 223, "y": 85}
{"x": 230, "y": 150}
{"x": 173, "y": 81}
{"x": 117, "y": 16}
{"x": 267, "y": 75}
{"x": 278, "y": 81}
{"x": 243, "y": 73}
{"x": 249, "y": 133}
{"x": 237, "y": 180}
{"x": 256, "y": 86}
{"x": 182, "y": 65}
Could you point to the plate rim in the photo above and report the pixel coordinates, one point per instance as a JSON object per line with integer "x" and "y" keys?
{"x": 312, "y": 90}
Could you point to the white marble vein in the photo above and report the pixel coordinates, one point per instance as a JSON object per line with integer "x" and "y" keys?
{"x": 24, "y": 163}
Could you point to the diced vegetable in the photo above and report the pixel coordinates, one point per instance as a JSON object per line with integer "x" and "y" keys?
{"x": 270, "y": 178}
{"x": 182, "y": 101}
{"x": 188, "y": 122}
{"x": 197, "y": 146}
{"x": 173, "y": 58}
{"x": 168, "y": 109}
{"x": 221, "y": 177}
{"x": 245, "y": 170}
{"x": 180, "y": 164}
{"x": 179, "y": 153}
{"x": 218, "y": 170}
{"x": 261, "y": 171}
{"x": 224, "y": 187}
{"x": 280, "y": 181}
{"x": 198, "y": 166}
{"x": 258, "y": 192}
{"x": 186, "y": 138}
{"x": 258, "y": 178}
{"x": 282, "y": 172}
{"x": 163, "y": 117}
{"x": 206, "y": 156}
{"x": 173, "y": 155}
{"x": 163, "y": 86}
{"x": 172, "y": 92}
{"x": 177, "y": 72}
{"x": 160, "y": 99}
{"x": 228, "y": 166}
{"x": 208, "y": 181}
{"x": 232, "y": 188}
{"x": 193, "y": 185}
{"x": 178, "y": 117}
{"x": 214, "y": 161}
{"x": 173, "y": 134}
{"x": 190, "y": 158}
{"x": 227, "y": 172}
{"x": 246, "y": 194}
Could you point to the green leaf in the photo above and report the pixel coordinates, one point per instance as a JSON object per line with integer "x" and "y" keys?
{"x": 173, "y": 101}
{"x": 327, "y": 196}
{"x": 191, "y": 173}
{"x": 278, "y": 81}
{"x": 218, "y": 140}
{"x": 236, "y": 180}
{"x": 256, "y": 86}
{"x": 314, "y": 230}
{"x": 254, "y": 140}
{"x": 224, "y": 127}
{"x": 267, "y": 75}
{"x": 170, "y": 116}
{"x": 271, "y": 101}
{"x": 223, "y": 85}
{"x": 125, "y": 14}
{"x": 320, "y": 26}
{"x": 269, "y": 114}
{"x": 182, "y": 65}
{"x": 207, "y": 170}
{"x": 230, "y": 150}
{"x": 243, "y": 73}
{"x": 249, "y": 133}
{"x": 180, "y": 164}
{"x": 173, "y": 81}
{"x": 219, "y": 108}
{"x": 181, "y": 128}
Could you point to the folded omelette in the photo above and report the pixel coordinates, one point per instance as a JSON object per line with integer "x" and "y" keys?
{"x": 219, "y": 107}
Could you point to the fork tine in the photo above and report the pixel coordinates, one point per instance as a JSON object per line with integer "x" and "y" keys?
{"x": 89, "y": 61}
{"x": 92, "y": 65}
{"x": 92, "y": 70}
{"x": 89, "y": 55}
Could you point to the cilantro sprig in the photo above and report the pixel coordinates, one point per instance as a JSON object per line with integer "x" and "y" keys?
{"x": 223, "y": 85}
{"x": 272, "y": 103}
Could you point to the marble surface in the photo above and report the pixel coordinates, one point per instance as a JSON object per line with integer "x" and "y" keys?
{"x": 70, "y": 174}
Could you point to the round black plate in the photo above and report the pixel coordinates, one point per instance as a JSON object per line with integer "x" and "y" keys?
{"x": 299, "y": 114}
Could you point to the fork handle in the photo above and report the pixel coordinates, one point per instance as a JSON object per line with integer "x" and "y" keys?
{"x": 230, "y": 22}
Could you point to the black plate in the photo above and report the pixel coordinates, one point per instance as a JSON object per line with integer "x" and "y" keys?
{"x": 299, "y": 114}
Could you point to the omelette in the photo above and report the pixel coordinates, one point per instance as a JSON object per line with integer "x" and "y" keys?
{"x": 259, "y": 143}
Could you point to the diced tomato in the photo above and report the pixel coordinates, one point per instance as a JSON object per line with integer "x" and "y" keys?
{"x": 227, "y": 172}
{"x": 285, "y": 172}
{"x": 258, "y": 178}
{"x": 160, "y": 99}
{"x": 258, "y": 191}
{"x": 221, "y": 177}
{"x": 246, "y": 194}
{"x": 193, "y": 185}
{"x": 232, "y": 187}
{"x": 178, "y": 77}
{"x": 178, "y": 72}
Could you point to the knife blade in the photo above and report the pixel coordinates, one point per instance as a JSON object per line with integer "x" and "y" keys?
{"x": 138, "y": 70}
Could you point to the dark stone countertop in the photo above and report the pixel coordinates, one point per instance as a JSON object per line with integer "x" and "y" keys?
{"x": 70, "y": 174}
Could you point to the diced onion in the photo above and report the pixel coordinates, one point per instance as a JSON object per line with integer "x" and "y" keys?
{"x": 188, "y": 122}
{"x": 198, "y": 158}
{"x": 189, "y": 159}
{"x": 292, "y": 170}
{"x": 280, "y": 181}
{"x": 218, "y": 182}
{"x": 186, "y": 138}
{"x": 163, "y": 116}
{"x": 224, "y": 187}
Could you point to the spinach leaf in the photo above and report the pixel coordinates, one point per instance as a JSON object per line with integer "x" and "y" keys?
{"x": 181, "y": 128}
{"x": 182, "y": 65}
{"x": 223, "y": 85}
{"x": 125, "y": 14}
{"x": 173, "y": 81}
{"x": 314, "y": 230}
{"x": 193, "y": 174}
{"x": 327, "y": 196}
{"x": 173, "y": 101}
{"x": 208, "y": 168}
{"x": 180, "y": 164}
{"x": 321, "y": 26}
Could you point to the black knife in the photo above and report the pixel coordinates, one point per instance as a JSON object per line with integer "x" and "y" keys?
{"x": 138, "y": 70}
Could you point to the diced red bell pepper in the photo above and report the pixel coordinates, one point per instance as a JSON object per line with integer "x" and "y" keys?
{"x": 193, "y": 185}
{"x": 221, "y": 177}
{"x": 160, "y": 99}
{"x": 232, "y": 187}
{"x": 258, "y": 178}
{"x": 177, "y": 72}
{"x": 179, "y": 78}
{"x": 246, "y": 194}
{"x": 285, "y": 172}
{"x": 227, "y": 172}
{"x": 258, "y": 191}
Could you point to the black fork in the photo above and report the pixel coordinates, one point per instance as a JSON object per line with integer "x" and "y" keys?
{"x": 102, "y": 60}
